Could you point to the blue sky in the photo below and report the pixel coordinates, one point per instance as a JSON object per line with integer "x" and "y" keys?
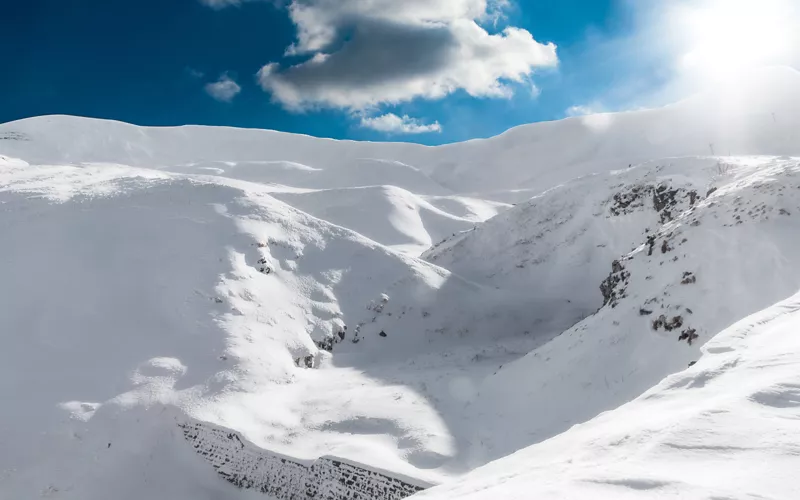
{"x": 457, "y": 69}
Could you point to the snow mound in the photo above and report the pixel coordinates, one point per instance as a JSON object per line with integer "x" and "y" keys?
{"x": 6, "y": 161}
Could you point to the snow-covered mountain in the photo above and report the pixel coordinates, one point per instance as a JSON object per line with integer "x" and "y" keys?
{"x": 758, "y": 115}
{"x": 724, "y": 428}
{"x": 160, "y": 285}
{"x": 701, "y": 243}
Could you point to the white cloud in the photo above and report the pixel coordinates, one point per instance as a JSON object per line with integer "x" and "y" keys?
{"x": 592, "y": 116}
{"x": 220, "y": 4}
{"x": 580, "y": 110}
{"x": 364, "y": 53}
{"x": 223, "y": 90}
{"x": 195, "y": 73}
{"x": 391, "y": 123}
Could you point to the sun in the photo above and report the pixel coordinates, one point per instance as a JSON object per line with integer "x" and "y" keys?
{"x": 726, "y": 37}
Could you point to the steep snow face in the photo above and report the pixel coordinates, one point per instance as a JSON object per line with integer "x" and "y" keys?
{"x": 730, "y": 253}
{"x": 108, "y": 314}
{"x": 553, "y": 245}
{"x": 727, "y": 427}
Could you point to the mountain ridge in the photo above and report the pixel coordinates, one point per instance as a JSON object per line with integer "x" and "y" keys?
{"x": 275, "y": 288}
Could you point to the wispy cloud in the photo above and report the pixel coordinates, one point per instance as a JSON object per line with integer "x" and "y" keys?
{"x": 195, "y": 73}
{"x": 592, "y": 116}
{"x": 582, "y": 110}
{"x": 391, "y": 123}
{"x": 221, "y": 4}
{"x": 224, "y": 89}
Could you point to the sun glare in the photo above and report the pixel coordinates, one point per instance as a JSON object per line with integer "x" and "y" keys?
{"x": 726, "y": 37}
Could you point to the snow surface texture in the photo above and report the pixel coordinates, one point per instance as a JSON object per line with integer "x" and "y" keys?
{"x": 128, "y": 291}
{"x": 760, "y": 115}
{"x": 270, "y": 284}
{"x": 727, "y": 427}
{"x": 694, "y": 268}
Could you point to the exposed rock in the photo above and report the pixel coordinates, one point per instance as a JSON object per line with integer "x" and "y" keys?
{"x": 664, "y": 201}
{"x": 689, "y": 335}
{"x": 668, "y": 325}
{"x": 248, "y": 467}
{"x": 613, "y": 287}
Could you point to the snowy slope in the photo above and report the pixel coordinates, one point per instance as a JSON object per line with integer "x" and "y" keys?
{"x": 388, "y": 214}
{"x": 554, "y": 244}
{"x": 267, "y": 283}
{"x": 755, "y": 115}
{"x": 698, "y": 264}
{"x": 127, "y": 291}
{"x": 326, "y": 174}
{"x": 124, "y": 245}
{"x": 727, "y": 427}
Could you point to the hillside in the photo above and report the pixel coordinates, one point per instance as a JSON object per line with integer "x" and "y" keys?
{"x": 135, "y": 294}
{"x": 701, "y": 255}
{"x": 180, "y": 301}
{"x": 393, "y": 216}
{"x": 723, "y": 428}
{"x": 758, "y": 115}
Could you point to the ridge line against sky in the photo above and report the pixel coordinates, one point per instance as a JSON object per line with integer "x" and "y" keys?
{"x": 428, "y": 71}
